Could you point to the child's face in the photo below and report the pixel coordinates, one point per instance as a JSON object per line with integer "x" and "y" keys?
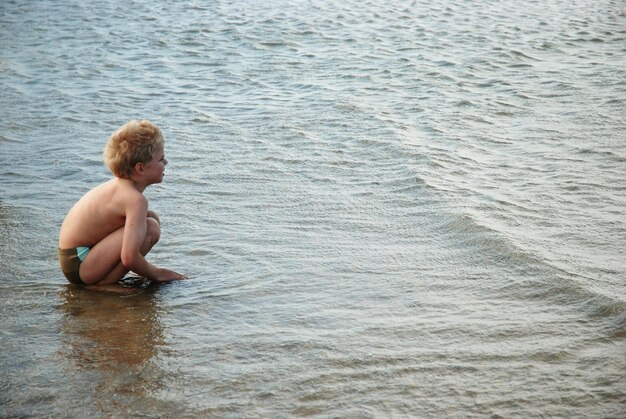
{"x": 155, "y": 168}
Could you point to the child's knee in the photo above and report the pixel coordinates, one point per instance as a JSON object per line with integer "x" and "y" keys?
{"x": 154, "y": 230}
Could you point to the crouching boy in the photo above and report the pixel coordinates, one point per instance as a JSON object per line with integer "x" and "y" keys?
{"x": 109, "y": 231}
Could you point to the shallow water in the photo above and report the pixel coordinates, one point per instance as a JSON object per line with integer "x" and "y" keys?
{"x": 415, "y": 209}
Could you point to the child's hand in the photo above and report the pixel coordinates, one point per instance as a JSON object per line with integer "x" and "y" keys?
{"x": 165, "y": 275}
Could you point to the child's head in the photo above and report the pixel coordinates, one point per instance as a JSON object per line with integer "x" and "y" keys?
{"x": 135, "y": 142}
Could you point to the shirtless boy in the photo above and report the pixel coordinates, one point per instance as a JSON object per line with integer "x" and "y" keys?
{"x": 110, "y": 229}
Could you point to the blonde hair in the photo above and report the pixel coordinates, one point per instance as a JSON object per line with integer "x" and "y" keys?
{"x": 132, "y": 143}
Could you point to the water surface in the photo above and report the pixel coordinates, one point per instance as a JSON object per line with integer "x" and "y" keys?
{"x": 407, "y": 209}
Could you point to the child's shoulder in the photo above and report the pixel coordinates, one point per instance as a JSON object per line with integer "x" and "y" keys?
{"x": 125, "y": 190}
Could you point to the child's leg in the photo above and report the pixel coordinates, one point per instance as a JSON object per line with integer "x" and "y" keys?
{"x": 103, "y": 264}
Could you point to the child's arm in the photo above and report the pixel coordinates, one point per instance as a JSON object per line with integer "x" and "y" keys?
{"x": 135, "y": 230}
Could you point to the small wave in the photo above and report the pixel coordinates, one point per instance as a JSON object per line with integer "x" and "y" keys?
{"x": 520, "y": 54}
{"x": 603, "y": 153}
{"x": 10, "y": 140}
{"x": 272, "y": 44}
{"x": 520, "y": 65}
{"x": 463, "y": 103}
{"x": 540, "y": 279}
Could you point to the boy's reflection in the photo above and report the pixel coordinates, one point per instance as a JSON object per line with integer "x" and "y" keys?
{"x": 107, "y": 330}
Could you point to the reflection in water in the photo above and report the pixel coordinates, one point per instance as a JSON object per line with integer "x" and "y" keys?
{"x": 107, "y": 330}
{"x": 114, "y": 337}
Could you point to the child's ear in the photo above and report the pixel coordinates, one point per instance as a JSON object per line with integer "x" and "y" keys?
{"x": 139, "y": 168}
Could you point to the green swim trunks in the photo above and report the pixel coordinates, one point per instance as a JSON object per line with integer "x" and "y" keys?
{"x": 70, "y": 260}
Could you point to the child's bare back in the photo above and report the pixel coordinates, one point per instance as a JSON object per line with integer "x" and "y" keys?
{"x": 97, "y": 214}
{"x": 110, "y": 229}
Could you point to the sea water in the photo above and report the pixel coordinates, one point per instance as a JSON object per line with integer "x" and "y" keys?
{"x": 386, "y": 209}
